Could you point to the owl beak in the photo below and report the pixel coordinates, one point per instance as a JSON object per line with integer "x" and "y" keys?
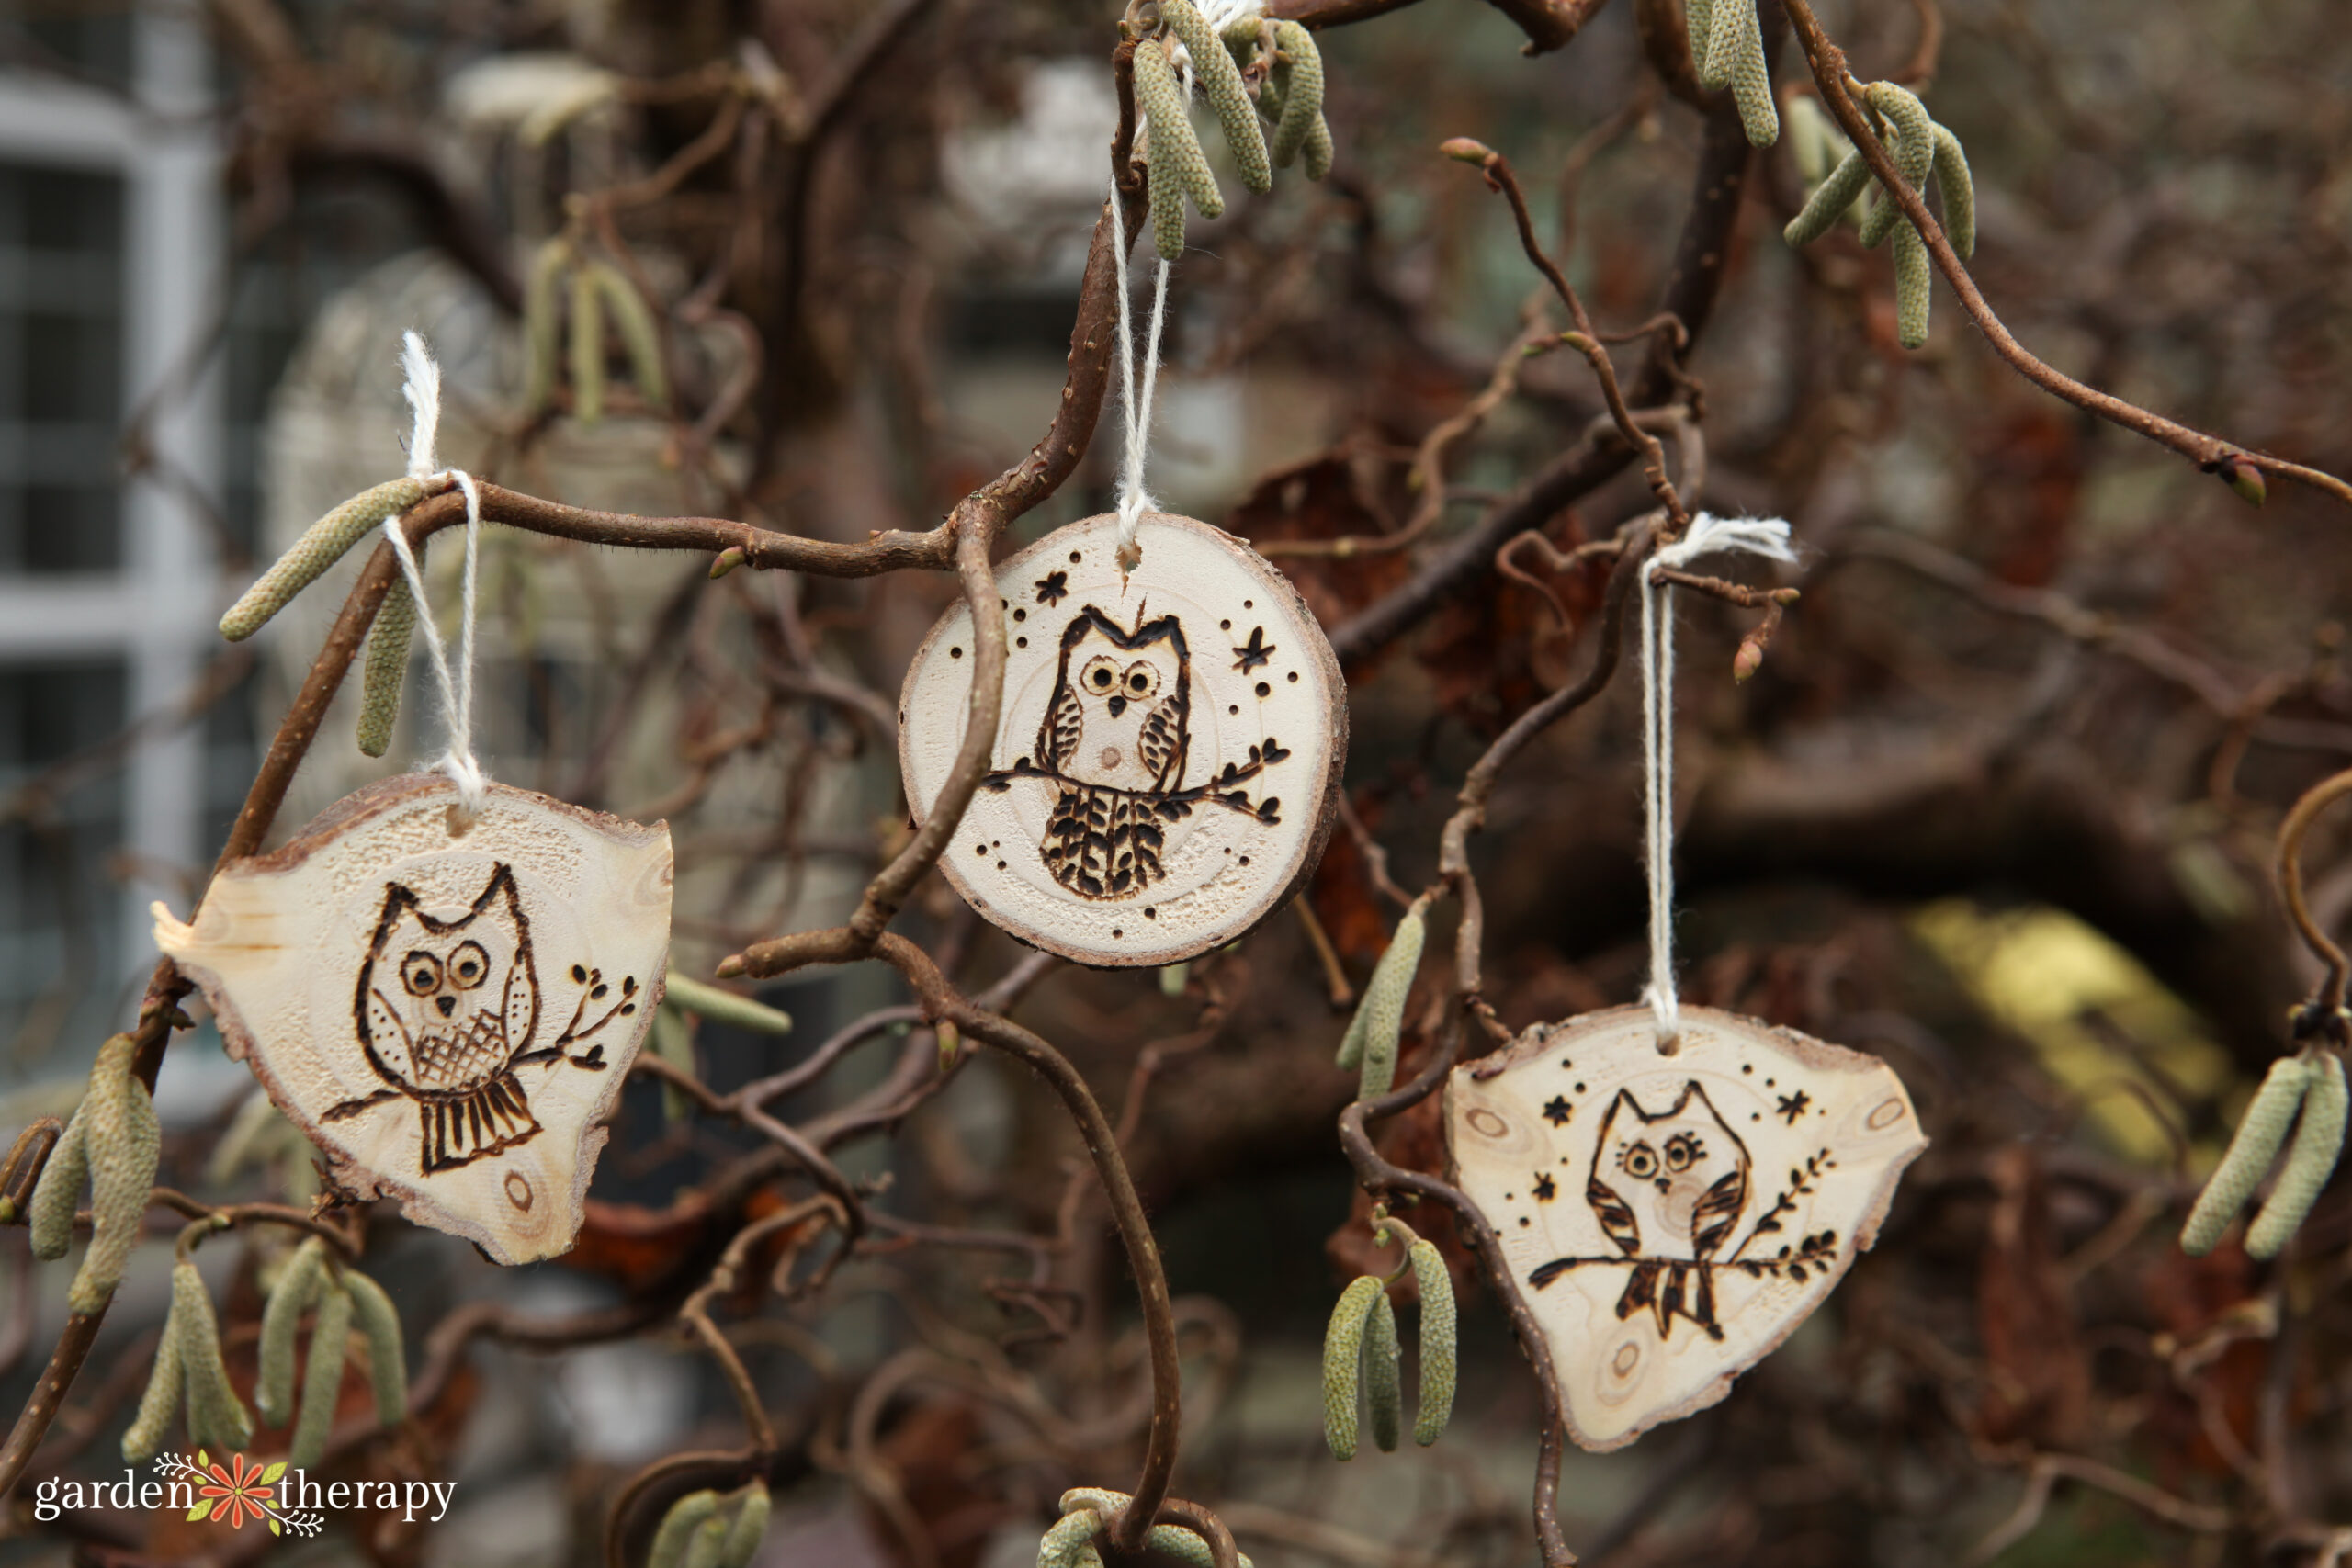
{"x": 447, "y": 1004}
{"x": 1118, "y": 706}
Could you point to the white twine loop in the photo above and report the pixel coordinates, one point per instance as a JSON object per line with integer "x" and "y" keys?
{"x": 423, "y": 390}
{"x": 1135, "y": 395}
{"x": 1708, "y": 535}
{"x": 1134, "y": 499}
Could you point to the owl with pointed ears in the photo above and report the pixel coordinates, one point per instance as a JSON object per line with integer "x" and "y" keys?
{"x": 1115, "y": 734}
{"x": 1669, "y": 1189}
{"x": 444, "y": 1007}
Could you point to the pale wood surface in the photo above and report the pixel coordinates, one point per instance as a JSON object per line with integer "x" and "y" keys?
{"x": 449, "y": 1017}
{"x": 1669, "y": 1220}
{"x": 1059, "y": 848}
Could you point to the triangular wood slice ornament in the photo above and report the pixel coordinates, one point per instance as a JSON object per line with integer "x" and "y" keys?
{"x": 447, "y": 1014}
{"x": 1669, "y": 1220}
{"x": 1168, "y": 763}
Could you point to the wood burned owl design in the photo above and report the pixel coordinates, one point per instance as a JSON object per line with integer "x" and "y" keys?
{"x": 1114, "y": 732}
{"x": 1669, "y": 1188}
{"x": 447, "y": 1010}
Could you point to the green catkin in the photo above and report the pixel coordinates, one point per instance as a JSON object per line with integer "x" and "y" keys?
{"x": 59, "y": 1194}
{"x": 1063, "y": 1546}
{"x": 1299, "y": 70}
{"x": 373, "y": 1313}
{"x": 543, "y": 323}
{"x": 1914, "y": 281}
{"x": 217, "y": 1418}
{"x": 1724, "y": 25}
{"x": 670, "y": 1040}
{"x": 298, "y": 1286}
{"x": 1187, "y": 1547}
{"x": 246, "y": 1129}
{"x": 1241, "y": 40}
{"x": 320, "y": 548}
{"x": 1914, "y": 132}
{"x": 2311, "y": 1160}
{"x": 718, "y": 1005}
{"x": 1438, "y": 1331}
{"x": 1165, "y": 195}
{"x": 1174, "y": 1539}
{"x": 1830, "y": 202}
{"x": 1384, "y": 1383}
{"x": 1221, "y": 83}
{"x": 387, "y": 668}
{"x": 124, "y": 1141}
{"x": 321, "y": 1379}
{"x": 707, "y": 1544}
{"x": 1739, "y": 59}
{"x": 2260, "y": 1132}
{"x": 587, "y": 348}
{"x": 1343, "y": 1365}
{"x": 678, "y": 1526}
{"x": 1813, "y": 138}
{"x": 1382, "y": 1012}
{"x": 641, "y": 336}
{"x": 1179, "y": 167}
{"x": 1914, "y": 152}
{"x": 157, "y": 1406}
{"x": 750, "y": 1526}
{"x": 1699, "y": 27}
{"x": 1318, "y": 148}
{"x": 1958, "y": 192}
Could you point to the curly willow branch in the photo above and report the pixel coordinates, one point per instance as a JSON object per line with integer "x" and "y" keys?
{"x": 2209, "y": 453}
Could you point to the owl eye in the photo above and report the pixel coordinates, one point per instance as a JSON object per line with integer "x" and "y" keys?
{"x": 1682, "y": 1151}
{"x": 420, "y": 973}
{"x": 1101, "y": 677}
{"x": 468, "y": 967}
{"x": 1141, "y": 681}
{"x": 1640, "y": 1162}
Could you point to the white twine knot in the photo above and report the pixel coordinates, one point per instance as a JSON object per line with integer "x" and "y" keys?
{"x": 1708, "y": 535}
{"x": 423, "y": 390}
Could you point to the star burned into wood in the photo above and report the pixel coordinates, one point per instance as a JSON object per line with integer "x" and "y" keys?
{"x": 1168, "y": 764}
{"x": 1669, "y": 1220}
{"x": 448, "y": 1015}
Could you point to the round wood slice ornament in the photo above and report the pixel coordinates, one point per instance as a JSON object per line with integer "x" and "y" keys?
{"x": 449, "y": 1014}
{"x": 1168, "y": 764}
{"x": 1669, "y": 1220}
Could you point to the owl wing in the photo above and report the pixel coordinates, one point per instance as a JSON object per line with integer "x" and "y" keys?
{"x": 1163, "y": 743}
{"x": 522, "y": 1003}
{"x": 1616, "y": 1217}
{"x": 383, "y": 1031}
{"x": 1057, "y": 736}
{"x": 1717, "y": 1210}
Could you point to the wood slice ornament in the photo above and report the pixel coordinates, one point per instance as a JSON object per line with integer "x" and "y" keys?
{"x": 1168, "y": 763}
{"x": 1670, "y": 1219}
{"x": 446, "y": 1009}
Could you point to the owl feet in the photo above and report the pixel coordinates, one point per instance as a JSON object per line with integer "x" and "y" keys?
{"x": 459, "y": 1129}
{"x": 1104, "y": 843}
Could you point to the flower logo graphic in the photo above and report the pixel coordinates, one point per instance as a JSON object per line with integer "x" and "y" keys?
{"x": 229, "y": 1494}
